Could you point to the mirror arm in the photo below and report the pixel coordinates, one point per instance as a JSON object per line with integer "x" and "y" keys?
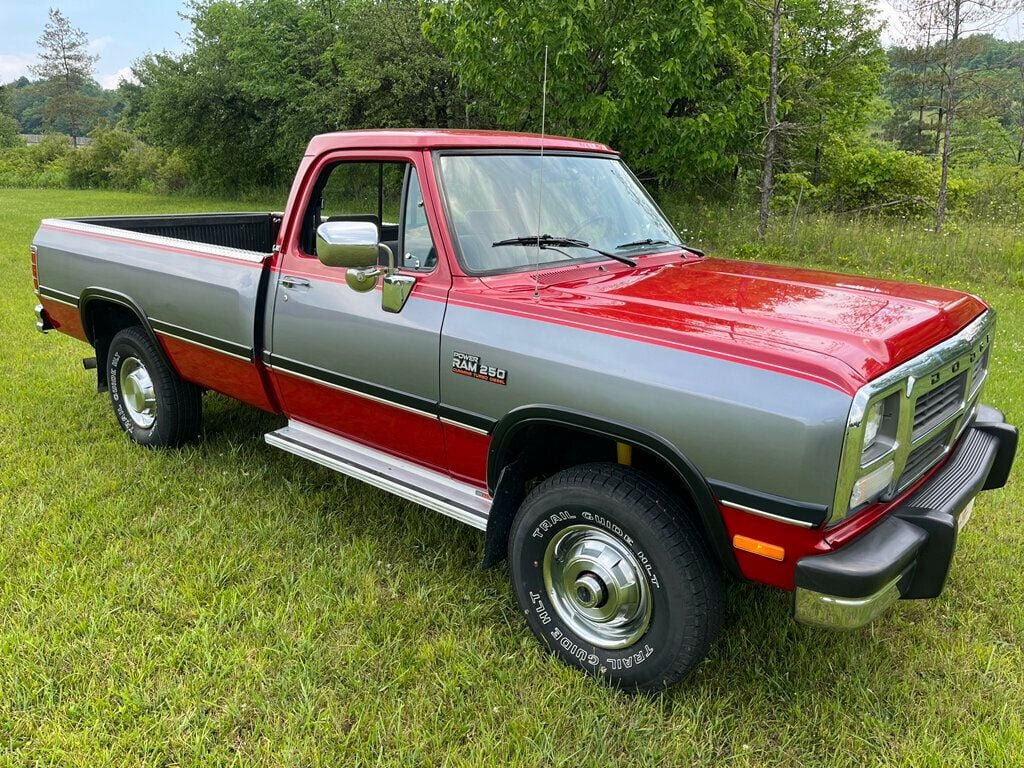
{"x": 391, "y": 258}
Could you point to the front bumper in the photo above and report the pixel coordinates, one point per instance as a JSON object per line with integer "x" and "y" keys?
{"x": 908, "y": 554}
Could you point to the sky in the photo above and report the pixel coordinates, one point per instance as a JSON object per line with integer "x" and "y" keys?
{"x": 121, "y": 31}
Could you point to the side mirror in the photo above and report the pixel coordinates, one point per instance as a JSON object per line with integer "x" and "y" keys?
{"x": 355, "y": 246}
{"x": 348, "y": 244}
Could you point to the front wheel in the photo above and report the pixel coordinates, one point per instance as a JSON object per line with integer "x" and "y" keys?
{"x": 154, "y": 405}
{"x": 614, "y": 578}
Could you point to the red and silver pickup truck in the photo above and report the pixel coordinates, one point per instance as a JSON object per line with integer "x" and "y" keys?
{"x": 506, "y": 329}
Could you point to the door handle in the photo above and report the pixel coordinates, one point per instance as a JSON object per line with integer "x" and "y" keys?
{"x": 294, "y": 282}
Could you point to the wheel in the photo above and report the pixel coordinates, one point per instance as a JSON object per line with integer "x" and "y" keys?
{"x": 614, "y": 578}
{"x": 154, "y": 405}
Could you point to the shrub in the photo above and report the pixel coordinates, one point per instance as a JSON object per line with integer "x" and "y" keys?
{"x": 38, "y": 165}
{"x": 996, "y": 192}
{"x": 882, "y": 179}
{"x": 9, "y": 132}
{"x": 97, "y": 164}
{"x": 174, "y": 175}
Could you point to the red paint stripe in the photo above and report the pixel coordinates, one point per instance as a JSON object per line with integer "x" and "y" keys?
{"x": 64, "y": 318}
{"x": 197, "y": 251}
{"x": 413, "y": 436}
{"x": 647, "y": 335}
{"x": 215, "y": 370}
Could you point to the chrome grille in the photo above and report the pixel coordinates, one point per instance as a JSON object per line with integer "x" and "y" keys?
{"x": 923, "y": 457}
{"x": 937, "y": 392}
{"x": 935, "y": 407}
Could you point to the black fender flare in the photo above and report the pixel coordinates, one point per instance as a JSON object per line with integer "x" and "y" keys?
{"x": 93, "y": 294}
{"x": 503, "y": 474}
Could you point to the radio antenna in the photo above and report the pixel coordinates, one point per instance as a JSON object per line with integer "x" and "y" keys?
{"x": 540, "y": 175}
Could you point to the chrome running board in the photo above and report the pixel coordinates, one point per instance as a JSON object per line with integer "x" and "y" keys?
{"x": 403, "y": 478}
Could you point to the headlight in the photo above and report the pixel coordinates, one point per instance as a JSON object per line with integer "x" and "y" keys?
{"x": 872, "y": 423}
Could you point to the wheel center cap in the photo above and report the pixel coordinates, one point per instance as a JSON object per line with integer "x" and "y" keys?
{"x": 591, "y": 591}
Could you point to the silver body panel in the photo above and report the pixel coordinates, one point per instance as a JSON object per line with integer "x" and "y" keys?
{"x": 767, "y": 431}
{"x": 206, "y": 289}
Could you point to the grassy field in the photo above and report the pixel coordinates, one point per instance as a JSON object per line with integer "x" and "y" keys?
{"x": 229, "y": 604}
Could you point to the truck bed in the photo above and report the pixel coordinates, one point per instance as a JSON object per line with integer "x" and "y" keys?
{"x": 195, "y": 281}
{"x": 245, "y": 231}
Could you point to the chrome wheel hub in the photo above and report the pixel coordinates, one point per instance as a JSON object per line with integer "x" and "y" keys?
{"x": 137, "y": 392}
{"x": 597, "y": 587}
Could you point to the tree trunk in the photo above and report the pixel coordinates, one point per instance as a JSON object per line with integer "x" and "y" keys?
{"x": 947, "y": 125}
{"x": 768, "y": 173}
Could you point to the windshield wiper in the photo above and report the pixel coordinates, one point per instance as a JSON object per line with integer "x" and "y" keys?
{"x": 649, "y": 241}
{"x": 547, "y": 241}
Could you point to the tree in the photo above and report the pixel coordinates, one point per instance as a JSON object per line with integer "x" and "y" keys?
{"x": 261, "y": 77}
{"x": 771, "y": 118}
{"x": 825, "y": 68}
{"x": 676, "y": 86}
{"x": 66, "y": 65}
{"x": 951, "y": 22}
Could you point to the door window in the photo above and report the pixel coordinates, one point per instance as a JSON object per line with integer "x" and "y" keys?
{"x": 386, "y": 194}
{"x": 418, "y": 252}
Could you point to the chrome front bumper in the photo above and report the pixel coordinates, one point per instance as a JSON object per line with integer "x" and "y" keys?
{"x": 907, "y": 555}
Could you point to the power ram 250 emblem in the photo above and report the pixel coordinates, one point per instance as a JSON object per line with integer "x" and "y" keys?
{"x": 470, "y": 365}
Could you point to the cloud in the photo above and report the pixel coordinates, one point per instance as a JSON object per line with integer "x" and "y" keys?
{"x": 111, "y": 82}
{"x": 14, "y": 65}
{"x": 97, "y": 45}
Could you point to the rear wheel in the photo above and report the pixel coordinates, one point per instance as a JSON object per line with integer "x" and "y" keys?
{"x": 614, "y": 578}
{"x": 152, "y": 403}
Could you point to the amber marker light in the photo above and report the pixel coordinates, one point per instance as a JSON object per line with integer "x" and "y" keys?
{"x": 755, "y": 547}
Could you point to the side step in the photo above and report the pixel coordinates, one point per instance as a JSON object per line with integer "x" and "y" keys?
{"x": 418, "y": 484}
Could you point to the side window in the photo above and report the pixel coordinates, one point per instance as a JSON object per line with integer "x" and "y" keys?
{"x": 418, "y": 250}
{"x": 357, "y": 191}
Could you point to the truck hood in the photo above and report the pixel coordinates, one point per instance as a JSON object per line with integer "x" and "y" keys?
{"x": 838, "y": 329}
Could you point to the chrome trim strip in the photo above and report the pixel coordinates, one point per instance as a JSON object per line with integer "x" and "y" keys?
{"x": 160, "y": 326}
{"x": 390, "y": 473}
{"x": 466, "y": 427}
{"x": 54, "y": 295}
{"x": 79, "y": 227}
{"x": 769, "y": 515}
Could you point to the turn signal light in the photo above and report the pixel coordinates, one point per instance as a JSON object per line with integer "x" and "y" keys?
{"x": 755, "y": 547}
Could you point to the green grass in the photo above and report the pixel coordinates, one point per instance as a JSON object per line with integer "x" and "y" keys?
{"x": 230, "y": 604}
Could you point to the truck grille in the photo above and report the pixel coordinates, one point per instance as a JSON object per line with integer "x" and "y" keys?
{"x": 941, "y": 403}
{"x": 923, "y": 457}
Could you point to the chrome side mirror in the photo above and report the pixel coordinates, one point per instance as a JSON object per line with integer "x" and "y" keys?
{"x": 349, "y": 244}
{"x": 355, "y": 246}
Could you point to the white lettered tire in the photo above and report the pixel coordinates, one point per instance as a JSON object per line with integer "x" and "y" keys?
{"x": 154, "y": 405}
{"x": 614, "y": 578}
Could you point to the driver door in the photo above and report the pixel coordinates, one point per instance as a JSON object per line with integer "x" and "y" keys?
{"x": 338, "y": 360}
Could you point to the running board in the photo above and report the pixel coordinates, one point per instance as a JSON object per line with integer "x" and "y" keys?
{"x": 403, "y": 478}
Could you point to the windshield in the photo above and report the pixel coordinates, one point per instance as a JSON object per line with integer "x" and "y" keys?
{"x": 592, "y": 199}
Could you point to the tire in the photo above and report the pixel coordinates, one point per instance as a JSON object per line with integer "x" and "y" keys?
{"x": 154, "y": 405}
{"x": 609, "y": 533}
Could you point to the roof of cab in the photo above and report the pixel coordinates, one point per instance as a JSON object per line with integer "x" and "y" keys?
{"x": 415, "y": 138}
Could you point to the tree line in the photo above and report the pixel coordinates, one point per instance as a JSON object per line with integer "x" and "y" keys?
{"x": 794, "y": 102}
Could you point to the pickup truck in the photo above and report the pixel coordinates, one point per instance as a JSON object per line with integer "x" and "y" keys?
{"x": 504, "y": 328}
